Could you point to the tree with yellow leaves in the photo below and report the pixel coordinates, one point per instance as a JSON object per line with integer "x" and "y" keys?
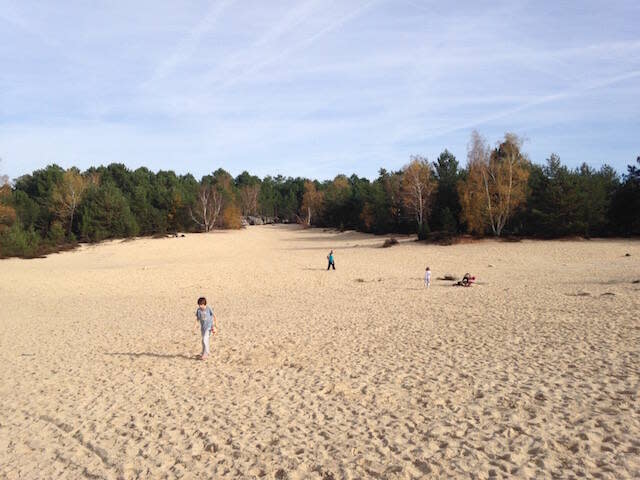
{"x": 496, "y": 184}
{"x": 417, "y": 189}
{"x": 68, "y": 193}
{"x": 311, "y": 202}
{"x": 7, "y": 212}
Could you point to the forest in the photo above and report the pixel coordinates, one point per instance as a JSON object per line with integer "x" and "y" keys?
{"x": 499, "y": 192}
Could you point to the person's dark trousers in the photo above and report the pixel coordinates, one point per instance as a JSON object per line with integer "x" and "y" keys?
{"x": 331, "y": 264}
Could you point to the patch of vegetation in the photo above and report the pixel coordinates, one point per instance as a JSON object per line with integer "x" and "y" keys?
{"x": 389, "y": 242}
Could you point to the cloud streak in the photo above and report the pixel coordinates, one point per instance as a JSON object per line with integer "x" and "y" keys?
{"x": 188, "y": 45}
{"x": 574, "y": 92}
{"x": 298, "y": 45}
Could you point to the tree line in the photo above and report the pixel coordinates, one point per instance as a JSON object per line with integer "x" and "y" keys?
{"x": 499, "y": 192}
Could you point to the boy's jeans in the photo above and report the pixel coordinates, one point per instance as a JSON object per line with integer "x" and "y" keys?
{"x": 205, "y": 341}
{"x": 205, "y": 330}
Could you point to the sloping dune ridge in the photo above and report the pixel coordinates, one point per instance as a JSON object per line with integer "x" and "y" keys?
{"x": 355, "y": 373}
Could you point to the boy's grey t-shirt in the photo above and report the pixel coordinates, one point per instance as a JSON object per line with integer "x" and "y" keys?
{"x": 205, "y": 317}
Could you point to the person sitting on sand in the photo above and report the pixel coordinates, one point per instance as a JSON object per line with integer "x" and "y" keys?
{"x": 208, "y": 325}
{"x": 427, "y": 277}
{"x": 332, "y": 262}
{"x": 466, "y": 281}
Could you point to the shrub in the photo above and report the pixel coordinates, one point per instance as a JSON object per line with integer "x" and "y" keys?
{"x": 17, "y": 242}
{"x": 440, "y": 238}
{"x": 448, "y": 221}
{"x": 423, "y": 231}
{"x": 105, "y": 214}
{"x": 389, "y": 242}
{"x": 56, "y": 233}
{"x": 231, "y": 217}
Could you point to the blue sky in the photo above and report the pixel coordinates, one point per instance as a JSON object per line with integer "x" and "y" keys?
{"x": 314, "y": 88}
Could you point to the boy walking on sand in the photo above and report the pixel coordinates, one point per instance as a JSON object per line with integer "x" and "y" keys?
{"x": 208, "y": 325}
{"x": 427, "y": 277}
{"x": 332, "y": 262}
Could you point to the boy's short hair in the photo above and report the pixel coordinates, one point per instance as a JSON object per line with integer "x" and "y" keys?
{"x": 202, "y": 301}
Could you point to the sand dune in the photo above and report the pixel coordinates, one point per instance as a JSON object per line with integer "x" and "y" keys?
{"x": 357, "y": 373}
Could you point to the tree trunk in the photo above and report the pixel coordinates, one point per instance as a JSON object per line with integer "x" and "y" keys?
{"x": 73, "y": 210}
{"x": 485, "y": 180}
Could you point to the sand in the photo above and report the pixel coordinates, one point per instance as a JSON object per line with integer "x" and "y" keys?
{"x": 359, "y": 373}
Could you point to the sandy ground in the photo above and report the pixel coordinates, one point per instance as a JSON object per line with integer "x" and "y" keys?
{"x": 357, "y": 373}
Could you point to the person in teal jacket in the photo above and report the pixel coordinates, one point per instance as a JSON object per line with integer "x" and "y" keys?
{"x": 332, "y": 262}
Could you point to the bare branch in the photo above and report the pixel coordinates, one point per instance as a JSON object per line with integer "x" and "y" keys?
{"x": 207, "y": 208}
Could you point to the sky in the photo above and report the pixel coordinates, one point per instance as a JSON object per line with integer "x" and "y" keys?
{"x": 314, "y": 87}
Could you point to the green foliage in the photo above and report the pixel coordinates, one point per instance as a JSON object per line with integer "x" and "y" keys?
{"x": 565, "y": 202}
{"x": 105, "y": 213}
{"x": 625, "y": 203}
{"x": 270, "y": 198}
{"x": 337, "y": 201}
{"x": 27, "y": 209}
{"x": 447, "y": 204}
{"x": 281, "y": 197}
{"x": 18, "y": 242}
{"x": 56, "y": 234}
{"x": 423, "y": 231}
{"x": 122, "y": 203}
{"x": 39, "y": 187}
{"x": 246, "y": 179}
{"x": 446, "y": 220}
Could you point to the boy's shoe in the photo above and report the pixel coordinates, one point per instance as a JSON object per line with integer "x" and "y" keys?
{"x": 204, "y": 356}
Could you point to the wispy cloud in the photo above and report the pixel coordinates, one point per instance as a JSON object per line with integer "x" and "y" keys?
{"x": 573, "y": 92}
{"x": 188, "y": 45}
{"x": 298, "y": 44}
{"x": 295, "y": 16}
{"x": 11, "y": 15}
{"x": 241, "y": 60}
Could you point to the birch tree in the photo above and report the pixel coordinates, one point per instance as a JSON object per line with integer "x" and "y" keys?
{"x": 471, "y": 191}
{"x": 207, "y": 207}
{"x": 417, "y": 189}
{"x": 67, "y": 195}
{"x": 249, "y": 199}
{"x": 496, "y": 185}
{"x": 311, "y": 202}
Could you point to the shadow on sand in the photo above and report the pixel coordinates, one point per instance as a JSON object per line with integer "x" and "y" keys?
{"x": 152, "y": 355}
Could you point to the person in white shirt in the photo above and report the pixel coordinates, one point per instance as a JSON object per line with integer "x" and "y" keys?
{"x": 427, "y": 277}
